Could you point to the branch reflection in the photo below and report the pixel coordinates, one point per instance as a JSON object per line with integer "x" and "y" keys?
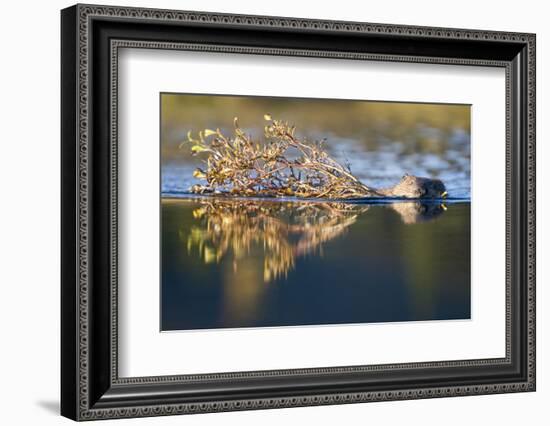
{"x": 229, "y": 229}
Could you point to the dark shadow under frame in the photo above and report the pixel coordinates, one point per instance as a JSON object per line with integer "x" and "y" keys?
{"x": 91, "y": 37}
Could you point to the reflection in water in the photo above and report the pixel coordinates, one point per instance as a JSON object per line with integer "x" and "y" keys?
{"x": 233, "y": 227}
{"x": 284, "y": 230}
{"x": 242, "y": 289}
{"x": 250, "y": 263}
{"x": 417, "y": 211}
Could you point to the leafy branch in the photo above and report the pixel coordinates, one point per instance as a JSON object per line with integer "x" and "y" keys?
{"x": 283, "y": 165}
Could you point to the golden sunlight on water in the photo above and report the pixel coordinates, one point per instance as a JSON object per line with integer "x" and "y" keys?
{"x": 242, "y": 288}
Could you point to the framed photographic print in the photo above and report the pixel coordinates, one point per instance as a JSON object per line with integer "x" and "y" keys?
{"x": 263, "y": 212}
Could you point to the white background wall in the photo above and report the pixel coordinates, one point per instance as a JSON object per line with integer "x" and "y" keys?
{"x": 29, "y": 212}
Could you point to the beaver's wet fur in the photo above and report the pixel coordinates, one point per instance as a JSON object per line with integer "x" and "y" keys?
{"x": 415, "y": 187}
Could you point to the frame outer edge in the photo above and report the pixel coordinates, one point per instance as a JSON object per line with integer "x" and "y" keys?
{"x": 80, "y": 207}
{"x": 531, "y": 201}
{"x": 84, "y": 193}
{"x": 69, "y": 282}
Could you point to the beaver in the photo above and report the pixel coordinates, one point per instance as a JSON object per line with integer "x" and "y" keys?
{"x": 414, "y": 187}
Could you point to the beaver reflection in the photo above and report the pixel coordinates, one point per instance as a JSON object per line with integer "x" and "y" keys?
{"x": 284, "y": 231}
{"x": 417, "y": 212}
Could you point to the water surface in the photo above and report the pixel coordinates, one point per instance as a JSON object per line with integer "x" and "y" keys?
{"x": 229, "y": 263}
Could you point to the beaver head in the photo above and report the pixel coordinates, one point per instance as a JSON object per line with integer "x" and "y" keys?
{"x": 418, "y": 187}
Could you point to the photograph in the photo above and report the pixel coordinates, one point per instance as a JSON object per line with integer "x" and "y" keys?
{"x": 275, "y": 207}
{"x": 281, "y": 211}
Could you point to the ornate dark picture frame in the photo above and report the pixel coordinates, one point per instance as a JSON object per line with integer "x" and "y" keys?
{"x": 90, "y": 38}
